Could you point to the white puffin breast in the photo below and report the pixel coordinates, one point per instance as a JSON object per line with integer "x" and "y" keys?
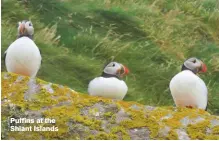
{"x": 188, "y": 89}
{"x": 108, "y": 87}
{"x": 23, "y": 57}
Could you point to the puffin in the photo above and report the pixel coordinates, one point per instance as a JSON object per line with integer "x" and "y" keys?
{"x": 110, "y": 83}
{"x": 187, "y": 89}
{"x": 23, "y": 56}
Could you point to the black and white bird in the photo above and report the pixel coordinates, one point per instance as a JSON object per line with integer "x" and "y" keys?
{"x": 187, "y": 89}
{"x": 23, "y": 56}
{"x": 109, "y": 84}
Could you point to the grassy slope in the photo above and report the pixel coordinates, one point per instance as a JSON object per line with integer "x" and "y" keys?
{"x": 152, "y": 38}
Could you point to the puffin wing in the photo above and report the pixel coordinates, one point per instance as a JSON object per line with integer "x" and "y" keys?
{"x": 4, "y": 56}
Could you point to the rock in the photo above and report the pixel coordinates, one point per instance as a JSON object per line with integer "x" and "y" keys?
{"x": 72, "y": 115}
{"x": 142, "y": 133}
{"x": 182, "y": 135}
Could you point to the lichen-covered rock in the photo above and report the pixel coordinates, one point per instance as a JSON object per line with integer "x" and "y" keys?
{"x": 79, "y": 116}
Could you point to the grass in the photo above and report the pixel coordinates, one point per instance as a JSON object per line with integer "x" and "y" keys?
{"x": 152, "y": 38}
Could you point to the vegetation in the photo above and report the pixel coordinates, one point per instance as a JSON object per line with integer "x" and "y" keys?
{"x": 81, "y": 116}
{"x": 151, "y": 37}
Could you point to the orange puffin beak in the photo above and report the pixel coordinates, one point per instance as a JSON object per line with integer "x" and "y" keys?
{"x": 124, "y": 71}
{"x": 203, "y": 68}
{"x": 22, "y": 29}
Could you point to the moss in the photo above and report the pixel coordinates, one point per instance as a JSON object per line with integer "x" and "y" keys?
{"x": 215, "y": 130}
{"x": 108, "y": 114}
{"x": 112, "y": 120}
{"x": 174, "y": 121}
{"x": 10, "y": 88}
{"x": 47, "y": 104}
{"x": 212, "y": 137}
{"x": 91, "y": 123}
{"x": 24, "y": 135}
{"x": 54, "y": 87}
{"x": 63, "y": 98}
{"x": 119, "y": 129}
{"x": 139, "y": 120}
{"x": 41, "y": 82}
{"x": 93, "y": 111}
{"x": 159, "y": 113}
{"x": 198, "y": 131}
{"x": 42, "y": 99}
{"x": 172, "y": 135}
{"x": 102, "y": 136}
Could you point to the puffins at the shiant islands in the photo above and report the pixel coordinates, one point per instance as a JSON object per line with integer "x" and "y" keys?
{"x": 187, "y": 89}
{"x": 109, "y": 84}
{"x": 23, "y": 56}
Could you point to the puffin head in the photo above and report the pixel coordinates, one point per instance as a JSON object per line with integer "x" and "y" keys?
{"x": 195, "y": 65}
{"x": 25, "y": 28}
{"x": 115, "y": 69}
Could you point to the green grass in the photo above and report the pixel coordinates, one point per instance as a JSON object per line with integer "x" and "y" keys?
{"x": 151, "y": 37}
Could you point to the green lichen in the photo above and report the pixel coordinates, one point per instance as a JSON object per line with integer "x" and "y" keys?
{"x": 172, "y": 135}
{"x": 119, "y": 129}
{"x": 93, "y": 111}
{"x": 102, "y": 136}
{"x": 112, "y": 120}
{"x": 55, "y": 87}
{"x": 63, "y": 98}
{"x": 198, "y": 130}
{"x": 49, "y": 106}
{"x": 40, "y": 100}
{"x": 41, "y": 82}
{"x": 10, "y": 88}
{"x": 215, "y": 130}
{"x": 140, "y": 120}
{"x": 212, "y": 137}
{"x": 108, "y": 114}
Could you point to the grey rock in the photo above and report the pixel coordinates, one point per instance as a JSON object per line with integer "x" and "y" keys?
{"x": 182, "y": 135}
{"x": 167, "y": 116}
{"x": 33, "y": 89}
{"x": 150, "y": 108}
{"x": 163, "y": 132}
{"x": 19, "y": 79}
{"x": 208, "y": 131}
{"x": 135, "y": 107}
{"x": 48, "y": 88}
{"x": 214, "y": 122}
{"x": 121, "y": 116}
{"x": 186, "y": 120}
{"x": 142, "y": 133}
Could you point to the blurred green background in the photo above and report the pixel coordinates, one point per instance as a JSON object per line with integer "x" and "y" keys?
{"x": 151, "y": 37}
